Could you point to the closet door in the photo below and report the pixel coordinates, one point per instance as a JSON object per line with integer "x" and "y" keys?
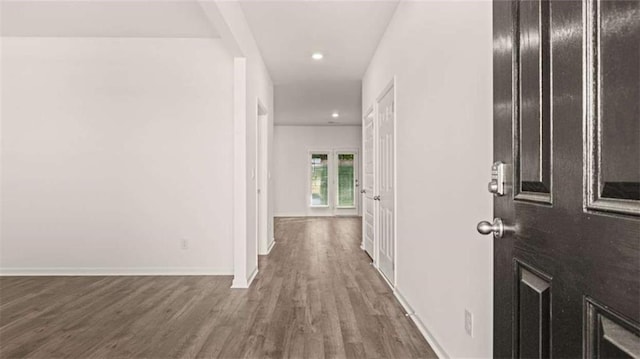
{"x": 385, "y": 178}
{"x": 368, "y": 203}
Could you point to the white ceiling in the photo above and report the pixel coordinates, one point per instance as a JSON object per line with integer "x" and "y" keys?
{"x": 346, "y": 32}
{"x": 312, "y": 103}
{"x": 105, "y": 19}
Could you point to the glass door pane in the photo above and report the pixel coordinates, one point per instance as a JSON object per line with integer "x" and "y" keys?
{"x": 346, "y": 180}
{"x": 319, "y": 179}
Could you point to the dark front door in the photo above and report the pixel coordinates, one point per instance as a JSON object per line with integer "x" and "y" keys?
{"x": 567, "y": 127}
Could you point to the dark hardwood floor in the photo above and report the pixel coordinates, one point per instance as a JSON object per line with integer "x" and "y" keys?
{"x": 316, "y": 296}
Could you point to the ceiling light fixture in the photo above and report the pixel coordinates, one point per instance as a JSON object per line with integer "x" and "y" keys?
{"x": 335, "y": 115}
{"x": 317, "y": 56}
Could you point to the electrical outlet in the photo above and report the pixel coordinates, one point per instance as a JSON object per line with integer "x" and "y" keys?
{"x": 468, "y": 322}
{"x": 184, "y": 243}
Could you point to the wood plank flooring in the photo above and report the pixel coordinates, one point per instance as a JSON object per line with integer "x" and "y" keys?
{"x": 316, "y": 296}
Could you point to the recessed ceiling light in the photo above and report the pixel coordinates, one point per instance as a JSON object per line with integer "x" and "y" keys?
{"x": 335, "y": 115}
{"x": 317, "y": 56}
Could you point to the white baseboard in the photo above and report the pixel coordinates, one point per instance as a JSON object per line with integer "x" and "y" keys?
{"x": 252, "y": 277}
{"x": 264, "y": 253}
{"x": 303, "y": 215}
{"x": 290, "y": 215}
{"x": 437, "y": 348}
{"x": 384, "y": 277}
{"x": 244, "y": 283}
{"x": 273, "y": 243}
{"x": 96, "y": 271}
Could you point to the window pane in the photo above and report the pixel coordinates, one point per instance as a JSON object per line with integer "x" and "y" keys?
{"x": 346, "y": 190}
{"x": 319, "y": 179}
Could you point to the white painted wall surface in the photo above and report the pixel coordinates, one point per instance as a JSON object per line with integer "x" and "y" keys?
{"x": 441, "y": 53}
{"x": 291, "y": 163}
{"x": 258, "y": 87}
{"x": 113, "y": 150}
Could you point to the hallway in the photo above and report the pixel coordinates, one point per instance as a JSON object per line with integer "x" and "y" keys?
{"x": 316, "y": 296}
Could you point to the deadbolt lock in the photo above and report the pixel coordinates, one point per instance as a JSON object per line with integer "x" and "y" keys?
{"x": 499, "y": 178}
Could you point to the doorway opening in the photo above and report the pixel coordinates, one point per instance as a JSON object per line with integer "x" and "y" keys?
{"x": 333, "y": 183}
{"x": 379, "y": 183}
{"x": 262, "y": 181}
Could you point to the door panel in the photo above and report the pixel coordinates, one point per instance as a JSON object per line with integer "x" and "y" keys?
{"x": 613, "y": 129}
{"x": 386, "y": 185}
{"x": 368, "y": 223}
{"x": 533, "y": 314}
{"x": 566, "y": 115}
{"x": 533, "y": 125}
{"x": 346, "y": 183}
{"x": 608, "y": 334}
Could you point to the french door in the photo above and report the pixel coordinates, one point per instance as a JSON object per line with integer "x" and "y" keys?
{"x": 566, "y": 179}
{"x": 333, "y": 182}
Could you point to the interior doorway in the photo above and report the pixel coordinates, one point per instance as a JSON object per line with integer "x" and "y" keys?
{"x": 262, "y": 180}
{"x": 379, "y": 183}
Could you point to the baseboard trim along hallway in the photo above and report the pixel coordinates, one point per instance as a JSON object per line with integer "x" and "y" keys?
{"x": 437, "y": 348}
{"x": 433, "y": 342}
{"x": 105, "y": 272}
{"x": 241, "y": 283}
{"x": 273, "y": 243}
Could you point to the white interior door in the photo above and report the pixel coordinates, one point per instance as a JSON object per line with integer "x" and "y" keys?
{"x": 368, "y": 204}
{"x": 385, "y": 179}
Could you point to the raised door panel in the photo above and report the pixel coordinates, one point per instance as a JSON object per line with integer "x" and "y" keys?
{"x": 613, "y": 98}
{"x": 608, "y": 334}
{"x": 533, "y": 313}
{"x": 368, "y": 185}
{"x": 533, "y": 127}
{"x": 386, "y": 183}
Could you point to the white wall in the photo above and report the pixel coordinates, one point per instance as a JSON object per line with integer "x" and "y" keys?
{"x": 441, "y": 54}
{"x": 291, "y": 163}
{"x": 259, "y": 87}
{"x": 113, "y": 150}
